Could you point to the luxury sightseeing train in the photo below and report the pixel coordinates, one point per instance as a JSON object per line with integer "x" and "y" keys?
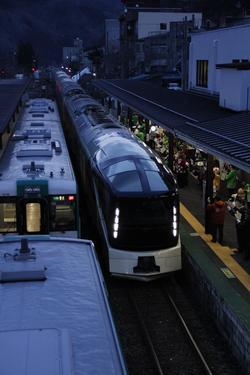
{"x": 38, "y": 191}
{"x": 132, "y": 197}
{"x": 55, "y": 316}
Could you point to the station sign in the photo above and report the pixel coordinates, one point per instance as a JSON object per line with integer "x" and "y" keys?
{"x": 32, "y": 188}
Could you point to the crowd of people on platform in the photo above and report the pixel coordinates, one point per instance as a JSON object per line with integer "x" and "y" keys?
{"x": 229, "y": 194}
{"x": 237, "y": 203}
{"x": 239, "y": 206}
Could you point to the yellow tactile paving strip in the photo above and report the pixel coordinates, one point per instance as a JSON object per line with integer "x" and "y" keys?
{"x": 224, "y": 253}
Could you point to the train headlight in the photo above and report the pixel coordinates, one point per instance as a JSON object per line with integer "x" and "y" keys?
{"x": 175, "y": 225}
{"x": 116, "y": 223}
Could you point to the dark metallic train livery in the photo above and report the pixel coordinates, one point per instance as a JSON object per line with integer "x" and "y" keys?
{"x": 132, "y": 196}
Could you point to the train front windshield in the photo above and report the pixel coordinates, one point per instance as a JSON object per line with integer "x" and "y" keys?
{"x": 144, "y": 224}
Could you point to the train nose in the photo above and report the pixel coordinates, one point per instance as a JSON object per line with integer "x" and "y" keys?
{"x": 146, "y": 265}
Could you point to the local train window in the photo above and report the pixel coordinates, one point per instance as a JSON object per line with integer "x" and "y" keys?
{"x": 33, "y": 217}
{"x": 63, "y": 212}
{"x": 8, "y": 217}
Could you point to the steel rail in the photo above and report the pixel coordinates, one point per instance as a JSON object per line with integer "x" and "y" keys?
{"x": 147, "y": 335}
{"x": 184, "y": 325}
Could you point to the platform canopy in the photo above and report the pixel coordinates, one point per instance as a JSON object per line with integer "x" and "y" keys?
{"x": 11, "y": 91}
{"x": 194, "y": 118}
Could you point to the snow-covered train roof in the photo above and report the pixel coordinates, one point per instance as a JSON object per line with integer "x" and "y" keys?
{"x": 37, "y": 151}
{"x": 60, "y": 320}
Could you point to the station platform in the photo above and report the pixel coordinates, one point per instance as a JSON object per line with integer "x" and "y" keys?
{"x": 191, "y": 197}
{"x": 218, "y": 275}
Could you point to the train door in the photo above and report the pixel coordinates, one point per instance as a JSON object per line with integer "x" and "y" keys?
{"x": 33, "y": 215}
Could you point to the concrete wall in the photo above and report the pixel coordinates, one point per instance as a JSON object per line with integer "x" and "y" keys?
{"x": 229, "y": 325}
{"x": 235, "y": 89}
{"x": 112, "y": 35}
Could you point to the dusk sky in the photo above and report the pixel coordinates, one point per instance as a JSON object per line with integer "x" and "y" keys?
{"x": 51, "y": 24}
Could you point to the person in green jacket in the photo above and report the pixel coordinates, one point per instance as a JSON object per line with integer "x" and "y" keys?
{"x": 231, "y": 180}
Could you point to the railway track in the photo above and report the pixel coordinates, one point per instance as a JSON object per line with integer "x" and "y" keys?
{"x": 161, "y": 331}
{"x": 189, "y": 346}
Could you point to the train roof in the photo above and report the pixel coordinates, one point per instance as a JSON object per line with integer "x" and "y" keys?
{"x": 37, "y": 151}
{"x": 59, "y": 317}
{"x": 125, "y": 162}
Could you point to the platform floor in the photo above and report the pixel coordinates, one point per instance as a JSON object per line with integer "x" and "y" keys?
{"x": 192, "y": 199}
{"x": 228, "y": 272}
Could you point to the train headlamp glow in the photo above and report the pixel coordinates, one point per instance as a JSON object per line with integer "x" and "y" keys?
{"x": 174, "y": 221}
{"x": 116, "y": 223}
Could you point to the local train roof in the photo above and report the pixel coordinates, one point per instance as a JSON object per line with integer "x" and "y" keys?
{"x": 37, "y": 151}
{"x": 11, "y": 91}
{"x": 42, "y": 322}
{"x": 194, "y": 118}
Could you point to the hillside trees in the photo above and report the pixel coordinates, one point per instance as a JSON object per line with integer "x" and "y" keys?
{"x": 26, "y": 58}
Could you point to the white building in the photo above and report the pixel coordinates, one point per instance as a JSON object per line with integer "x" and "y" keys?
{"x": 112, "y": 35}
{"x": 219, "y": 64}
{"x": 150, "y": 23}
{"x": 139, "y": 23}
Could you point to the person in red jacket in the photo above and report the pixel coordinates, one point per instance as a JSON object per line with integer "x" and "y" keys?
{"x": 218, "y": 212}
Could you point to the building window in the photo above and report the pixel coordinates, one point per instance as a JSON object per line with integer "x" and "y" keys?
{"x": 201, "y": 73}
{"x": 163, "y": 26}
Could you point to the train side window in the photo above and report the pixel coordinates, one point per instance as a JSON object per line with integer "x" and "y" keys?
{"x": 8, "y": 217}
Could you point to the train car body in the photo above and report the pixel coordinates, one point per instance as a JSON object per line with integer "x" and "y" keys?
{"x": 38, "y": 190}
{"x": 132, "y": 196}
{"x": 55, "y": 318}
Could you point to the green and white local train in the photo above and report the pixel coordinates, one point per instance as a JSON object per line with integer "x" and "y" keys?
{"x": 38, "y": 190}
